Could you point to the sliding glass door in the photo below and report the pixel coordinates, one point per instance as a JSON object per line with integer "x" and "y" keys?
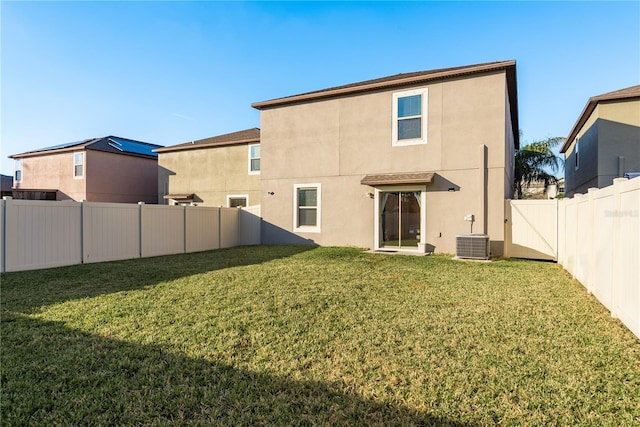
{"x": 399, "y": 219}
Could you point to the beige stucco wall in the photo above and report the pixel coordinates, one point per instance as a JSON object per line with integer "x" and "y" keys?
{"x": 211, "y": 174}
{"x": 120, "y": 179}
{"x": 337, "y": 142}
{"x": 52, "y": 172}
{"x": 619, "y": 129}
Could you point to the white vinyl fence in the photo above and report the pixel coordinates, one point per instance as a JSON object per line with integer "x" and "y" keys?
{"x": 596, "y": 237}
{"x": 599, "y": 244}
{"x": 44, "y": 234}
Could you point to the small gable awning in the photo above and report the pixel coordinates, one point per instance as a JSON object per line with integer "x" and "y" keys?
{"x": 398, "y": 178}
{"x": 180, "y": 197}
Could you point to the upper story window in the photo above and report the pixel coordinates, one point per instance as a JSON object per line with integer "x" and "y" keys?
{"x": 306, "y": 208}
{"x": 18, "y": 170}
{"x": 78, "y": 165}
{"x": 254, "y": 159}
{"x": 410, "y": 117}
{"x": 577, "y": 153}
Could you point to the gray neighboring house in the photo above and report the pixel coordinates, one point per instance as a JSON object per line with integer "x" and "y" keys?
{"x": 605, "y": 141}
{"x": 7, "y": 183}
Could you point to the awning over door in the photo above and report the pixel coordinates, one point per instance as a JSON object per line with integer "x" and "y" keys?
{"x": 180, "y": 197}
{"x": 398, "y": 178}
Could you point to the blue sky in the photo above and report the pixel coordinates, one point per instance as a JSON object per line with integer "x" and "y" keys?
{"x": 171, "y": 72}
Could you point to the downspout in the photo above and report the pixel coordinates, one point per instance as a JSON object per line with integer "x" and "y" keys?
{"x": 483, "y": 189}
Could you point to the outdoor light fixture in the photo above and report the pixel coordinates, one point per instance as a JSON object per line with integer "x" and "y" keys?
{"x": 271, "y": 193}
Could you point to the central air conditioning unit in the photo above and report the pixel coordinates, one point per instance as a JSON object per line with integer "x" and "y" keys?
{"x": 472, "y": 246}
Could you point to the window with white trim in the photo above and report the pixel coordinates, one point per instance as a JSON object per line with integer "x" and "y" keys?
{"x": 307, "y": 208}
{"x": 78, "y": 165}
{"x": 410, "y": 117}
{"x": 238, "y": 201}
{"x": 254, "y": 159}
{"x": 18, "y": 170}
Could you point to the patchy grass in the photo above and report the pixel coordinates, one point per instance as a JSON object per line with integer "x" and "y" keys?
{"x": 299, "y": 336}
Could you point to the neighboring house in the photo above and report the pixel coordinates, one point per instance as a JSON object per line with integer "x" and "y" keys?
{"x": 394, "y": 163}
{"x": 108, "y": 169}
{"x": 537, "y": 190}
{"x": 222, "y": 170}
{"x": 7, "y": 183}
{"x": 605, "y": 141}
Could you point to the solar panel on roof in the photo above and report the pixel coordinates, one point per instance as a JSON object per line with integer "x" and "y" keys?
{"x": 134, "y": 147}
{"x": 55, "y": 147}
{"x": 115, "y": 144}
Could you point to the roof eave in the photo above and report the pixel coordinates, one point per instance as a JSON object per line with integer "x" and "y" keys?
{"x": 588, "y": 110}
{"x": 78, "y": 147}
{"x": 195, "y": 146}
{"x": 406, "y": 81}
{"x": 83, "y": 147}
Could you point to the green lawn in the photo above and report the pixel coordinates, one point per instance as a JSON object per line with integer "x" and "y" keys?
{"x": 299, "y": 336}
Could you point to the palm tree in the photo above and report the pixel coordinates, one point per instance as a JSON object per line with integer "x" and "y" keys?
{"x": 536, "y": 162}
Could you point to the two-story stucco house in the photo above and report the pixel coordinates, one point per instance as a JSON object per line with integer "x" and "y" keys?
{"x": 106, "y": 169}
{"x": 223, "y": 170}
{"x": 605, "y": 141}
{"x": 394, "y": 163}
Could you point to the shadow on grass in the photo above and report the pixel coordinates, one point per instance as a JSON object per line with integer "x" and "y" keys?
{"x": 53, "y": 375}
{"x": 27, "y": 290}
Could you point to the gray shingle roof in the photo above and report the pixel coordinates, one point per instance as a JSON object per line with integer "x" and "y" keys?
{"x": 246, "y": 136}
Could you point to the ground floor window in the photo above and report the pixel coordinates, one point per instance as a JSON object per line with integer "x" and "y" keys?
{"x": 306, "y": 208}
{"x": 237, "y": 201}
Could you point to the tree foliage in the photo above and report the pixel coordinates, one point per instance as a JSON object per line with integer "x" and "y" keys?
{"x": 536, "y": 162}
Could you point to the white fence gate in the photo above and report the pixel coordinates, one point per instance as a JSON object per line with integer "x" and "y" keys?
{"x": 532, "y": 229}
{"x": 594, "y": 236}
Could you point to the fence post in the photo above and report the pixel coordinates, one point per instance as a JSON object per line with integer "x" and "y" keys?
{"x": 615, "y": 273}
{"x": 3, "y": 261}
{"x": 507, "y": 228}
{"x": 219, "y": 227}
{"x": 82, "y": 230}
{"x": 576, "y": 240}
{"x": 590, "y": 239}
{"x": 557, "y": 203}
{"x": 140, "y": 206}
